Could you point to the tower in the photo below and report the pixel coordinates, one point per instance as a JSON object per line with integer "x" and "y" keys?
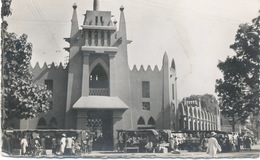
{"x": 98, "y": 74}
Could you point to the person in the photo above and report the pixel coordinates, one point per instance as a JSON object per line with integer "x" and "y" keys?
{"x": 172, "y": 143}
{"x": 24, "y": 144}
{"x": 213, "y": 145}
{"x": 62, "y": 144}
{"x": 43, "y": 141}
{"x": 6, "y": 146}
{"x": 69, "y": 145}
{"x": 90, "y": 143}
{"x": 53, "y": 145}
{"x": 37, "y": 145}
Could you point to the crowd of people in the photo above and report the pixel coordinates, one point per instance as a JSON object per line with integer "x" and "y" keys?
{"x": 35, "y": 144}
{"x": 147, "y": 141}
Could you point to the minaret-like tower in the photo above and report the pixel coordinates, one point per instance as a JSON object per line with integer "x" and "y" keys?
{"x": 74, "y": 69}
{"x": 98, "y": 72}
{"x": 169, "y": 104}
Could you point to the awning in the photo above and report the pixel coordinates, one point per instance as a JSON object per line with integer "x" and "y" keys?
{"x": 100, "y": 102}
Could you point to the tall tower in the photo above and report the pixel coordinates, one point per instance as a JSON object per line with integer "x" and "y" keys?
{"x": 98, "y": 78}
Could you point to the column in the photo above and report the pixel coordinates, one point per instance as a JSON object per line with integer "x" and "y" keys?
{"x": 86, "y": 38}
{"x": 105, "y": 38}
{"x": 112, "y": 81}
{"x": 81, "y": 119}
{"x": 117, "y": 123}
{"x": 187, "y": 122}
{"x": 93, "y": 38}
{"x": 85, "y": 75}
{"x": 99, "y": 38}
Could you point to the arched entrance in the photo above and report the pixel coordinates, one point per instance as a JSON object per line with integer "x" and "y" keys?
{"x": 100, "y": 123}
{"x": 98, "y": 81}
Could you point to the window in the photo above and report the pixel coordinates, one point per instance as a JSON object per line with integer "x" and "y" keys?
{"x": 151, "y": 121}
{"x": 51, "y": 104}
{"x": 146, "y": 89}
{"x": 141, "y": 121}
{"x": 101, "y": 20}
{"x": 42, "y": 122}
{"x": 53, "y": 122}
{"x": 96, "y": 22}
{"x": 49, "y": 84}
{"x": 173, "y": 91}
{"x": 146, "y": 106}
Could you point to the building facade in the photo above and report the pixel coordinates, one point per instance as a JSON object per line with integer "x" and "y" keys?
{"x": 97, "y": 91}
{"x": 191, "y": 116}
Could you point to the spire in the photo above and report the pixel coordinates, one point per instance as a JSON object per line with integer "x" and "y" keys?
{"x": 165, "y": 59}
{"x": 96, "y": 5}
{"x": 122, "y": 24}
{"x": 74, "y": 22}
{"x": 173, "y": 64}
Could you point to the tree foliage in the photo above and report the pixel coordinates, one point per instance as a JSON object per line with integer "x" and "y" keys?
{"x": 21, "y": 98}
{"x": 208, "y": 102}
{"x": 239, "y": 88}
{"x": 5, "y": 9}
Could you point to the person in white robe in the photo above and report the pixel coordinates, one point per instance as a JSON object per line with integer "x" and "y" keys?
{"x": 213, "y": 145}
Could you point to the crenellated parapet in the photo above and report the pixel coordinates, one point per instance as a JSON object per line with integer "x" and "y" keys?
{"x": 191, "y": 102}
{"x": 148, "y": 69}
{"x": 53, "y": 68}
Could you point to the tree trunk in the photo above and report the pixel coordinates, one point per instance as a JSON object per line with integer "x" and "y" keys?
{"x": 233, "y": 123}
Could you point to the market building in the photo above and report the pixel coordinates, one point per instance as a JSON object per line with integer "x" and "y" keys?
{"x": 97, "y": 91}
{"x": 191, "y": 116}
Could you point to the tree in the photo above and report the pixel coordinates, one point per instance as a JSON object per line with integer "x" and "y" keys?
{"x": 239, "y": 88}
{"x": 208, "y": 102}
{"x": 21, "y": 98}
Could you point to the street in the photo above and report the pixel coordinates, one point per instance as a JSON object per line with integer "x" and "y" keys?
{"x": 254, "y": 153}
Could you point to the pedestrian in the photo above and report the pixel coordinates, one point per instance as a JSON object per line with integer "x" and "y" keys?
{"x": 69, "y": 145}
{"x": 213, "y": 145}
{"x": 24, "y": 144}
{"x": 53, "y": 145}
{"x": 43, "y": 141}
{"x": 62, "y": 144}
{"x": 90, "y": 143}
{"x": 36, "y": 145}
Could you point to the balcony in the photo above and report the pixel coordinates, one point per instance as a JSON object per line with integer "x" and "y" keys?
{"x": 99, "y": 91}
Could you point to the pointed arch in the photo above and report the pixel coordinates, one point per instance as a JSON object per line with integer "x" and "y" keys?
{"x": 141, "y": 121}
{"x": 102, "y": 63}
{"x": 42, "y": 122}
{"x": 195, "y": 112}
{"x": 151, "y": 121}
{"x": 53, "y": 122}
{"x": 190, "y": 112}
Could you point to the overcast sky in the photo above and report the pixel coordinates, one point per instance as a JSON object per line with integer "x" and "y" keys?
{"x": 196, "y": 33}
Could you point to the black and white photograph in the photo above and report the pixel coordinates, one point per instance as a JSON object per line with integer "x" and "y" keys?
{"x": 130, "y": 79}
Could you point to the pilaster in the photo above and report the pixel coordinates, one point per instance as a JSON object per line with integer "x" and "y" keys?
{"x": 85, "y": 75}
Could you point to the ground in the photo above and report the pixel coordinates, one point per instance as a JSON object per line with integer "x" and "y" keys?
{"x": 254, "y": 153}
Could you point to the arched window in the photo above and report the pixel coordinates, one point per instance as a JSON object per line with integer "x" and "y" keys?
{"x": 151, "y": 121}
{"x": 140, "y": 121}
{"x": 190, "y": 111}
{"x": 53, "y": 122}
{"x": 42, "y": 122}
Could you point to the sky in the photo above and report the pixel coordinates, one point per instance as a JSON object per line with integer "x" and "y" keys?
{"x": 195, "y": 33}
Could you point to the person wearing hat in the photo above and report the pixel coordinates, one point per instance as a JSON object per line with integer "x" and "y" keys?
{"x": 24, "y": 144}
{"x": 213, "y": 145}
{"x": 62, "y": 144}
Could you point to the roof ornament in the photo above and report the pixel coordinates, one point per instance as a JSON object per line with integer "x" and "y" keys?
{"x": 122, "y": 8}
{"x": 74, "y": 6}
{"x": 96, "y": 5}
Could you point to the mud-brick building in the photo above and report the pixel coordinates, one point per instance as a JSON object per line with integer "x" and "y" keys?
{"x": 97, "y": 90}
{"x": 192, "y": 116}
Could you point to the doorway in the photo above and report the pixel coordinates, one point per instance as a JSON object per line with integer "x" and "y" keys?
{"x": 99, "y": 122}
